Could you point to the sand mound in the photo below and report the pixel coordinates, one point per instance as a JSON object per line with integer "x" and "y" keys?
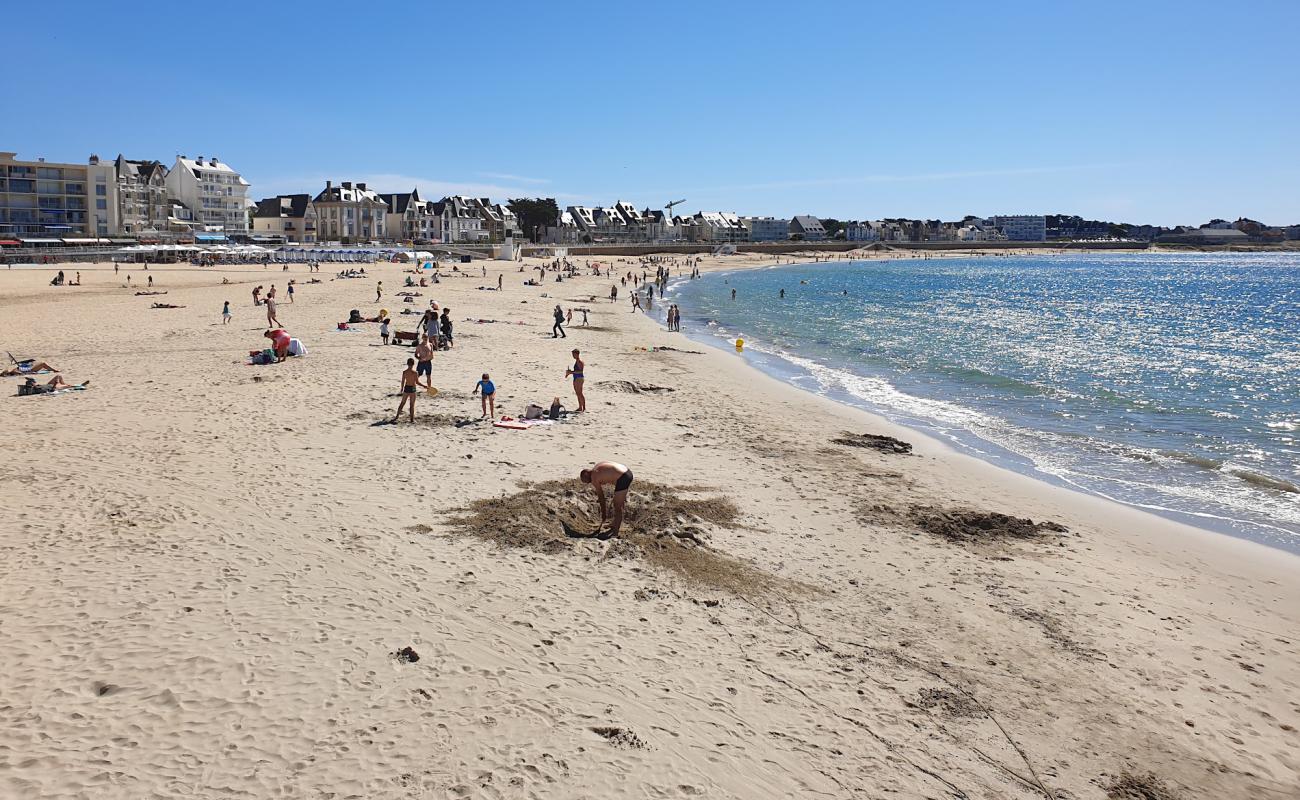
{"x": 633, "y": 388}
{"x": 965, "y": 525}
{"x": 663, "y": 526}
{"x": 872, "y": 441}
{"x": 1139, "y": 787}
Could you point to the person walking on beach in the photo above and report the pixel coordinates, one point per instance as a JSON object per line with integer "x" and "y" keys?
{"x": 578, "y": 374}
{"x": 290, "y": 289}
{"x": 613, "y": 293}
{"x": 410, "y": 381}
{"x": 225, "y": 313}
{"x": 379, "y": 291}
{"x": 270, "y": 312}
{"x": 489, "y": 398}
{"x": 557, "y": 330}
{"x": 619, "y": 478}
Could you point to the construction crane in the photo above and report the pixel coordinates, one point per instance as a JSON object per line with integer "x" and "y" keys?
{"x": 669, "y": 207}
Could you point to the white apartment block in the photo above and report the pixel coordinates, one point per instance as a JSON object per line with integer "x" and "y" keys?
{"x": 1022, "y": 227}
{"x": 216, "y": 194}
{"x": 767, "y": 229}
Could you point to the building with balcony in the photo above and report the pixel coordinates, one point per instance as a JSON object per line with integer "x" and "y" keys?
{"x": 1021, "y": 227}
{"x": 767, "y": 229}
{"x": 215, "y": 193}
{"x": 292, "y": 216}
{"x": 42, "y": 199}
{"x": 349, "y": 212}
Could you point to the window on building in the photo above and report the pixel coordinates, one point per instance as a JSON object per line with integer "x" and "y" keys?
{"x": 101, "y": 190}
{"x": 101, "y": 204}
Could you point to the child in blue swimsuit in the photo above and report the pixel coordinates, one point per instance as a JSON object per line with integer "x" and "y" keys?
{"x": 489, "y": 398}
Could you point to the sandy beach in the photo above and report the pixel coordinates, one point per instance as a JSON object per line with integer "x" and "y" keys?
{"x": 212, "y": 571}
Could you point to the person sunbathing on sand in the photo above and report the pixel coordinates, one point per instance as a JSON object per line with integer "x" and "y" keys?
{"x": 52, "y": 385}
{"x": 605, "y": 473}
{"x": 26, "y": 368}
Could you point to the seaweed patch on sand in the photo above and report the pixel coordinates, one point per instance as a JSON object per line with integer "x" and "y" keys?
{"x": 1139, "y": 787}
{"x": 633, "y": 388}
{"x": 873, "y": 441}
{"x": 961, "y": 525}
{"x": 664, "y": 526}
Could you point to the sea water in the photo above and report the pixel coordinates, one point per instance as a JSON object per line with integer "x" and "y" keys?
{"x": 1167, "y": 382}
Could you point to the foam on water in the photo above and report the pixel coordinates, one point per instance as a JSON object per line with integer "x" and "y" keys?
{"x": 1165, "y": 382}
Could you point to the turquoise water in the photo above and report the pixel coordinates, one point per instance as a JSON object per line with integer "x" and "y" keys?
{"x": 1163, "y": 381}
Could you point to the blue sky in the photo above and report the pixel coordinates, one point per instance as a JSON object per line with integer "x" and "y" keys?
{"x": 1161, "y": 112}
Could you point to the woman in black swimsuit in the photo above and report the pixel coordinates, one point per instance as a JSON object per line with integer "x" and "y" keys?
{"x": 577, "y": 374}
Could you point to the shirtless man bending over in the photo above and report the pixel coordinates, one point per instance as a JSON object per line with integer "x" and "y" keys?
{"x": 609, "y": 473}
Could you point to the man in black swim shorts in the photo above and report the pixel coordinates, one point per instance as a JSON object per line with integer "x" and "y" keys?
{"x": 600, "y": 475}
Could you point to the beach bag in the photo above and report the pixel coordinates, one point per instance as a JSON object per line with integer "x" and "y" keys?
{"x": 354, "y": 316}
{"x": 343, "y": 326}
{"x": 533, "y": 411}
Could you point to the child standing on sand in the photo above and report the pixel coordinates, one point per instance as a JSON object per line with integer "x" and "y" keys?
{"x": 225, "y": 313}
{"x": 383, "y": 330}
{"x": 489, "y": 398}
{"x": 410, "y": 380}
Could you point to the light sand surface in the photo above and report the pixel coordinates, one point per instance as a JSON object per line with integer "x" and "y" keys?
{"x": 208, "y": 567}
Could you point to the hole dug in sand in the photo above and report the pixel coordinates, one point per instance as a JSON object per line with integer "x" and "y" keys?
{"x": 662, "y": 526}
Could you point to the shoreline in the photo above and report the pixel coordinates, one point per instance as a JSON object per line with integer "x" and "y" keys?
{"x": 777, "y": 365}
{"x": 205, "y": 551}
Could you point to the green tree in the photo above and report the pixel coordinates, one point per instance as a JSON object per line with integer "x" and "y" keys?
{"x": 535, "y": 213}
{"x": 833, "y": 227}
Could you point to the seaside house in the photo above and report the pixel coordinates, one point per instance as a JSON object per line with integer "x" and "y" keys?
{"x": 215, "y": 192}
{"x": 47, "y": 200}
{"x": 718, "y": 226}
{"x": 862, "y": 231}
{"x": 137, "y": 198}
{"x": 411, "y": 218}
{"x": 497, "y": 219}
{"x": 348, "y": 213}
{"x": 767, "y": 229}
{"x": 659, "y": 226}
{"x": 565, "y": 231}
{"x": 292, "y": 216}
{"x": 459, "y": 220}
{"x": 807, "y": 228}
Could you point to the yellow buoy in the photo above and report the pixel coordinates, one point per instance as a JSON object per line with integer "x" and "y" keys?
{"x": 740, "y": 345}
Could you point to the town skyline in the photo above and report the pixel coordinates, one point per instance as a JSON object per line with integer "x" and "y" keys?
{"x": 1156, "y": 113}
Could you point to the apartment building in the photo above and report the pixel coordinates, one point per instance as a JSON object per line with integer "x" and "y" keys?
{"x": 1021, "y": 227}
{"x": 349, "y": 212}
{"x": 767, "y": 229}
{"x": 292, "y": 216}
{"x": 213, "y": 191}
{"x": 43, "y": 199}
